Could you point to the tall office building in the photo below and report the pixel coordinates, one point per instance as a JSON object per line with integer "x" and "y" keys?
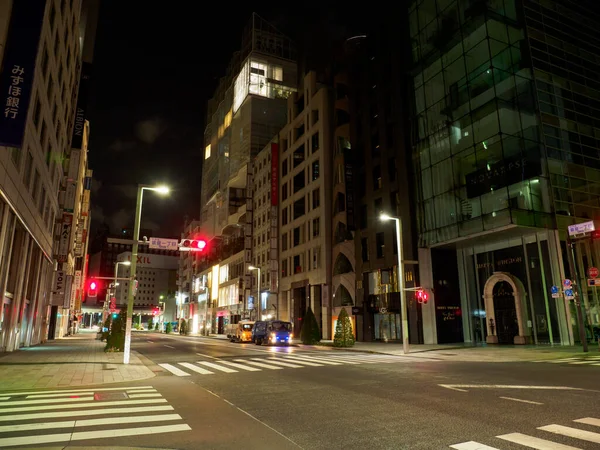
{"x": 41, "y": 45}
{"x": 246, "y": 111}
{"x": 506, "y": 145}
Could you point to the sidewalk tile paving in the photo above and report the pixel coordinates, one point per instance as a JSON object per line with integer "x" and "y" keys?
{"x": 78, "y": 360}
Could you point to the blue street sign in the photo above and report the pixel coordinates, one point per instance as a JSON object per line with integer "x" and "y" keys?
{"x": 569, "y": 293}
{"x": 554, "y": 289}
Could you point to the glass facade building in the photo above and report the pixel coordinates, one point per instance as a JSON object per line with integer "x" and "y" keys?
{"x": 506, "y": 156}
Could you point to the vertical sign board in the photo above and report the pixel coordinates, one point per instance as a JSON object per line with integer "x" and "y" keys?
{"x": 349, "y": 182}
{"x": 17, "y": 71}
{"x": 274, "y": 173}
{"x": 58, "y": 288}
{"x": 77, "y": 289}
{"x": 81, "y": 111}
{"x": 68, "y": 286}
{"x": 64, "y": 240}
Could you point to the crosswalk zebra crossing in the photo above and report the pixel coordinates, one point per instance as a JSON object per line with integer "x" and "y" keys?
{"x": 84, "y": 414}
{"x": 278, "y": 362}
{"x": 576, "y": 361}
{"x": 567, "y": 434}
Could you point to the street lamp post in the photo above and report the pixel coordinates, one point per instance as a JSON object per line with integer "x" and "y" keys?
{"x": 113, "y": 285}
{"x": 132, "y": 273}
{"x": 398, "y": 221}
{"x": 259, "y": 314}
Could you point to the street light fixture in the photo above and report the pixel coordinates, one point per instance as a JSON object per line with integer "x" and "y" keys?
{"x": 133, "y": 265}
{"x": 386, "y": 217}
{"x": 258, "y": 296}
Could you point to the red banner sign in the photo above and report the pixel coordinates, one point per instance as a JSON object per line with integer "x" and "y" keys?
{"x": 274, "y": 173}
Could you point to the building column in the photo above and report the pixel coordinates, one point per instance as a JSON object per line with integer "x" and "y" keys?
{"x": 465, "y": 305}
{"x": 34, "y": 301}
{"x": 17, "y": 268}
{"x": 565, "y": 322}
{"x": 427, "y": 310}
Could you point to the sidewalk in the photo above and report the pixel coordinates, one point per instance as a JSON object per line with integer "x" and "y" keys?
{"x": 467, "y": 352}
{"x": 458, "y": 352}
{"x": 73, "y": 361}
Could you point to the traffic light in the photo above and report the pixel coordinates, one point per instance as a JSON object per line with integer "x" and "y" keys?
{"x": 192, "y": 245}
{"x": 155, "y": 312}
{"x": 422, "y": 296}
{"x": 92, "y": 290}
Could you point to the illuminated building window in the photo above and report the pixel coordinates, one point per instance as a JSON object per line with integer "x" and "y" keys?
{"x": 207, "y": 152}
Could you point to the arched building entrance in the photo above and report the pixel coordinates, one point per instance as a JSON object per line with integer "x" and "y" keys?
{"x": 506, "y": 310}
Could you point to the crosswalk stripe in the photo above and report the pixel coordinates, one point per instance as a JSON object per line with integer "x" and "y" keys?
{"x": 87, "y": 423}
{"x": 264, "y": 366}
{"x": 472, "y": 445}
{"x": 75, "y": 391}
{"x": 299, "y": 361}
{"x": 196, "y": 369}
{"x": 90, "y": 392}
{"x": 79, "y": 436}
{"x": 156, "y": 394}
{"x": 141, "y": 392}
{"x": 216, "y": 366}
{"x": 87, "y": 412}
{"x": 336, "y": 360}
{"x": 48, "y": 400}
{"x": 572, "y": 432}
{"x": 534, "y": 442}
{"x": 584, "y": 362}
{"x": 240, "y": 366}
{"x": 316, "y": 360}
{"x": 589, "y": 421}
{"x": 82, "y": 405}
{"x": 174, "y": 370}
{"x": 281, "y": 363}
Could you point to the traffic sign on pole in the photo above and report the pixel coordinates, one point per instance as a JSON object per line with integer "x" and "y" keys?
{"x": 555, "y": 291}
{"x": 593, "y": 272}
{"x": 567, "y": 283}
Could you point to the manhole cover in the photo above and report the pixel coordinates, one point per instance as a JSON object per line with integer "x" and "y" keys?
{"x": 103, "y": 396}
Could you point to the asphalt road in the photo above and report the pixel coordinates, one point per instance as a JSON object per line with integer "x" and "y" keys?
{"x": 229, "y": 396}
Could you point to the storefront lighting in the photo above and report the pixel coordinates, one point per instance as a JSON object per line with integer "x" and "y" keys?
{"x": 535, "y": 180}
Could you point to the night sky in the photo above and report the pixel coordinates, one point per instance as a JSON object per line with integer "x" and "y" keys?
{"x": 153, "y": 73}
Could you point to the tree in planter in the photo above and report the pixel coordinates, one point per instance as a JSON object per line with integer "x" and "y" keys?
{"x": 344, "y": 334}
{"x": 156, "y": 327}
{"x": 150, "y": 324}
{"x": 169, "y": 328}
{"x": 116, "y": 338}
{"x": 107, "y": 326}
{"x": 310, "y": 333}
{"x": 183, "y": 328}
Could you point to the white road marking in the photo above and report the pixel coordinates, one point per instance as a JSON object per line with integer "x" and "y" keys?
{"x": 206, "y": 356}
{"x": 4, "y": 398}
{"x": 522, "y": 401}
{"x": 197, "y": 369}
{"x": 472, "y": 445}
{"x": 81, "y": 405}
{"x": 507, "y": 386}
{"x": 48, "y": 400}
{"x": 280, "y": 363}
{"x": 84, "y": 435}
{"x": 317, "y": 360}
{"x": 150, "y": 342}
{"x": 144, "y": 395}
{"x": 78, "y": 391}
{"x": 87, "y": 412}
{"x": 572, "y": 432}
{"x": 89, "y": 392}
{"x": 170, "y": 346}
{"x": 142, "y": 391}
{"x": 300, "y": 361}
{"x": 589, "y": 421}
{"x": 264, "y": 366}
{"x": 241, "y": 366}
{"x": 534, "y": 442}
{"x": 216, "y": 366}
{"x": 87, "y": 423}
{"x": 584, "y": 362}
{"x": 174, "y": 370}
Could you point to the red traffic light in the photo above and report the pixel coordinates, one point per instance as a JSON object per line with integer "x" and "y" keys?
{"x": 196, "y": 245}
{"x": 92, "y": 290}
{"x": 422, "y": 296}
{"x": 155, "y": 311}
